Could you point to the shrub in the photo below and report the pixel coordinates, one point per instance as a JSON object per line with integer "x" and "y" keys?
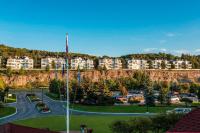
{"x": 121, "y": 127}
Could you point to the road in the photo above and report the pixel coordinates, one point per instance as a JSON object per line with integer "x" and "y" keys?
{"x": 26, "y": 109}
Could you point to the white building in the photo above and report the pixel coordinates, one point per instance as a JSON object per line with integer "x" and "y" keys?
{"x": 52, "y": 62}
{"x": 20, "y": 62}
{"x": 137, "y": 64}
{"x": 157, "y": 64}
{"x": 181, "y": 64}
{"x": 81, "y": 63}
{"x": 110, "y": 63}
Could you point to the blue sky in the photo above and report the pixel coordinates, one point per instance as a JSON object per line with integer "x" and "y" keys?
{"x": 102, "y": 27}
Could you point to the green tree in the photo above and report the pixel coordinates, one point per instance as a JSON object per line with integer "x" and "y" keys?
{"x": 21, "y": 71}
{"x": 47, "y": 69}
{"x": 150, "y": 64}
{"x": 194, "y": 88}
{"x": 121, "y": 127}
{"x": 9, "y": 71}
{"x": 164, "y": 90}
{"x": 53, "y": 65}
{"x": 163, "y": 65}
{"x": 55, "y": 86}
{"x": 184, "y": 88}
{"x": 2, "y": 84}
{"x": 184, "y": 66}
{"x": 187, "y": 101}
{"x": 143, "y": 125}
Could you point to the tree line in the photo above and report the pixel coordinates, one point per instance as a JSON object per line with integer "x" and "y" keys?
{"x": 101, "y": 92}
{"x": 6, "y": 51}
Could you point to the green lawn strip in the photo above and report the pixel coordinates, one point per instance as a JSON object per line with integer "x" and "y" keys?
{"x": 5, "y": 111}
{"x": 123, "y": 109}
{"x": 52, "y": 96}
{"x": 33, "y": 98}
{"x": 11, "y": 99}
{"x": 100, "y": 124}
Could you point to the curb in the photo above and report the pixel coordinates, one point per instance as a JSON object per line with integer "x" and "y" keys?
{"x": 9, "y": 115}
{"x": 55, "y": 100}
{"x": 29, "y": 99}
{"x": 109, "y": 113}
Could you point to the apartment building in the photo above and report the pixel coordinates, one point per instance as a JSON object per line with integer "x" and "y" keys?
{"x": 110, "y": 63}
{"x": 137, "y": 64}
{"x": 157, "y": 64}
{"x": 182, "y": 64}
{"x": 81, "y": 63}
{"x": 52, "y": 62}
{"x": 20, "y": 62}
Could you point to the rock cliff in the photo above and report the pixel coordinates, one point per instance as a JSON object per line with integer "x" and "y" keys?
{"x": 94, "y": 75}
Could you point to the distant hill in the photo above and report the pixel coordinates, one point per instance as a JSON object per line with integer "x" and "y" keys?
{"x": 7, "y": 51}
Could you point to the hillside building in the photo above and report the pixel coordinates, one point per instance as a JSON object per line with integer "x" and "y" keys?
{"x": 81, "y": 63}
{"x": 52, "y": 62}
{"x": 181, "y": 64}
{"x": 137, "y": 64}
{"x": 110, "y": 63}
{"x": 20, "y": 62}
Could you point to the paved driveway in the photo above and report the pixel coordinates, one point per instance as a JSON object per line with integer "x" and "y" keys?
{"x": 26, "y": 109}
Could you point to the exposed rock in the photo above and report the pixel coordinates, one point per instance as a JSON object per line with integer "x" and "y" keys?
{"x": 94, "y": 75}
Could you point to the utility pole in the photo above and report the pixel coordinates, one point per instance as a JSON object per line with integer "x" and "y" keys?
{"x": 67, "y": 84}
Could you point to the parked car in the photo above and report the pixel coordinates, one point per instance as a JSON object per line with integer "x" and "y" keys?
{"x": 179, "y": 110}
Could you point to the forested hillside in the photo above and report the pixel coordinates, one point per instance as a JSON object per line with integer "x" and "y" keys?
{"x": 6, "y": 51}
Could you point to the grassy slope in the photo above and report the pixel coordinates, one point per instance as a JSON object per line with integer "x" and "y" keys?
{"x": 123, "y": 109}
{"x": 7, "y": 111}
{"x": 100, "y": 124}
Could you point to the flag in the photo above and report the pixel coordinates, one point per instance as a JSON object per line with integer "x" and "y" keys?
{"x": 79, "y": 76}
{"x": 67, "y": 48}
{"x": 63, "y": 70}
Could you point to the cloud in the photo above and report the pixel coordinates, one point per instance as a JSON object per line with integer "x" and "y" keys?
{"x": 181, "y": 51}
{"x": 163, "y": 50}
{"x": 170, "y": 34}
{"x": 154, "y": 50}
{"x": 149, "y": 49}
{"x": 197, "y": 51}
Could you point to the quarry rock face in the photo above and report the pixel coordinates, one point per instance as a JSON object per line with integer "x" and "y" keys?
{"x": 95, "y": 75}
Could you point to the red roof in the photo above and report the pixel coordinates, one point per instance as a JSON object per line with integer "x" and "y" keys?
{"x": 12, "y": 128}
{"x": 190, "y": 123}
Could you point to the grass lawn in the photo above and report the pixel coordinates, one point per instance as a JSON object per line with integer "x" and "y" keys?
{"x": 52, "y": 96}
{"x": 5, "y": 111}
{"x": 100, "y": 124}
{"x": 11, "y": 99}
{"x": 123, "y": 109}
{"x": 33, "y": 98}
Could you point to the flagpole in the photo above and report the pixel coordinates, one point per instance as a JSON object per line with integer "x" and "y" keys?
{"x": 67, "y": 85}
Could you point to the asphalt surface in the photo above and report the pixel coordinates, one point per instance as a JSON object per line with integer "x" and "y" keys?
{"x": 26, "y": 109}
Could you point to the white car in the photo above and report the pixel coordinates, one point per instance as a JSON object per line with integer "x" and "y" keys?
{"x": 179, "y": 110}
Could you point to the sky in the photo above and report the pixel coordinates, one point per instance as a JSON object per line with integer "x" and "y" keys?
{"x": 102, "y": 27}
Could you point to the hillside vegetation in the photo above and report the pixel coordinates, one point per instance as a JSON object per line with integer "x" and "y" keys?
{"x": 6, "y": 51}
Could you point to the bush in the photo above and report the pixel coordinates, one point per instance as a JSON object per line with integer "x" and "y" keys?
{"x": 1, "y": 104}
{"x": 121, "y": 127}
{"x": 156, "y": 124}
{"x": 187, "y": 101}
